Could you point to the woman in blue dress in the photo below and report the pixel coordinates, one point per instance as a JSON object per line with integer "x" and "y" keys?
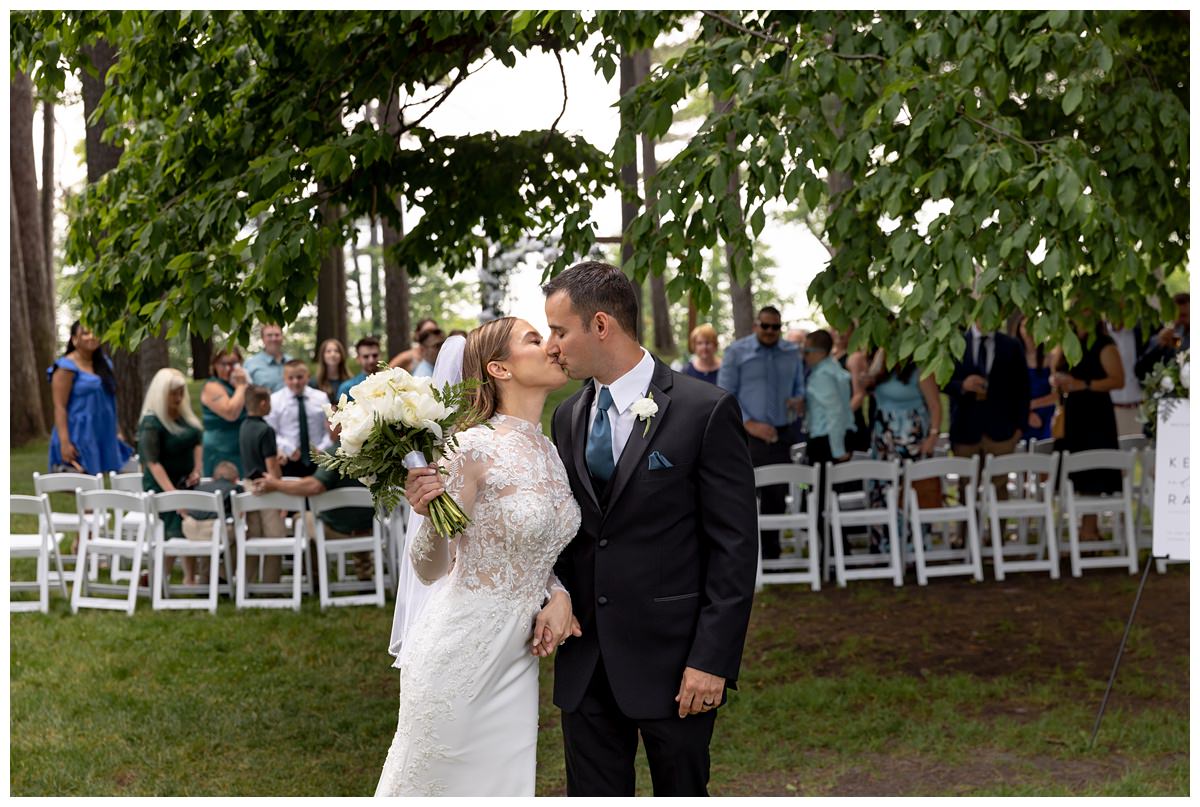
{"x": 1041, "y": 396}
{"x": 85, "y": 437}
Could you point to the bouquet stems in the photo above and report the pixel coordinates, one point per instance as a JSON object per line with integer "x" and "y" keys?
{"x": 447, "y": 517}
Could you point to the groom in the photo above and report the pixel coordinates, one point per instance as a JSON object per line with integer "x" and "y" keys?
{"x": 661, "y": 573}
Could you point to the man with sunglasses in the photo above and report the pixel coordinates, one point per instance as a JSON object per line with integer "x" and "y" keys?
{"x": 766, "y": 375}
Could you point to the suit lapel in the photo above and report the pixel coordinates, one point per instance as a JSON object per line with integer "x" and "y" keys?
{"x": 579, "y": 436}
{"x": 639, "y": 439}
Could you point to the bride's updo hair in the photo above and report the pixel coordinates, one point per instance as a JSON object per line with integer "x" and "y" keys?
{"x": 485, "y": 344}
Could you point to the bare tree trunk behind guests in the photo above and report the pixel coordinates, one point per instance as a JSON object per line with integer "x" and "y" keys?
{"x": 331, "y": 291}
{"x": 396, "y": 293}
{"x": 356, "y": 273}
{"x": 741, "y": 297}
{"x": 38, "y": 287}
{"x": 101, "y": 158}
{"x": 48, "y": 192}
{"x": 664, "y": 336}
{"x": 25, "y": 420}
{"x": 629, "y": 201}
{"x": 202, "y": 351}
{"x": 376, "y": 298}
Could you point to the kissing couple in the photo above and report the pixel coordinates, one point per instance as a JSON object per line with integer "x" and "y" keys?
{"x": 627, "y": 541}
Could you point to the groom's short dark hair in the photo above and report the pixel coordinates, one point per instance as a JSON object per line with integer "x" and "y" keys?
{"x": 594, "y": 286}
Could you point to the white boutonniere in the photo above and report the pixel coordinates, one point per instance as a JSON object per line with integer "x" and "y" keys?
{"x": 645, "y": 408}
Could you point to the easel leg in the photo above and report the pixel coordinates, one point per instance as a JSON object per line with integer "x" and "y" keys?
{"x": 1117, "y": 661}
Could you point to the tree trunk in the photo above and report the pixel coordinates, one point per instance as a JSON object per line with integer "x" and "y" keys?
{"x": 38, "y": 289}
{"x": 491, "y": 296}
{"x": 202, "y": 352}
{"x": 397, "y": 295}
{"x": 664, "y": 336}
{"x": 101, "y": 158}
{"x": 376, "y": 301}
{"x": 628, "y": 185}
{"x": 25, "y": 423}
{"x": 356, "y": 273}
{"x": 48, "y": 193}
{"x": 331, "y": 289}
{"x": 741, "y": 297}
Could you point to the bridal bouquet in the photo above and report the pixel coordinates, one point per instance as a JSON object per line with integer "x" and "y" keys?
{"x": 1169, "y": 382}
{"x": 396, "y": 422}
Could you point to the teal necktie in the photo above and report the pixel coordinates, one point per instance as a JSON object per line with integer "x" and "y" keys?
{"x": 599, "y": 451}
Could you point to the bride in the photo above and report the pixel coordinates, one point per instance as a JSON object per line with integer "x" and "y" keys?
{"x": 468, "y": 665}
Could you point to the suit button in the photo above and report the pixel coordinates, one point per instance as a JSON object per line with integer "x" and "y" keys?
{"x": 602, "y": 600}
{"x": 603, "y": 542}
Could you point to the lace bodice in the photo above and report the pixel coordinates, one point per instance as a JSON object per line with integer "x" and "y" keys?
{"x": 511, "y": 482}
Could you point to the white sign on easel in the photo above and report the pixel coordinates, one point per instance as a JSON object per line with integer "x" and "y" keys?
{"x": 1172, "y": 478}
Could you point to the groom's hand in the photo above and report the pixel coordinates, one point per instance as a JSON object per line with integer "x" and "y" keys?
{"x": 553, "y": 625}
{"x": 699, "y": 692}
{"x": 421, "y": 486}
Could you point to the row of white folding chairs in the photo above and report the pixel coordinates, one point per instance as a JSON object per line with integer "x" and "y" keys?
{"x": 1030, "y": 479}
{"x": 146, "y": 535}
{"x": 69, "y": 522}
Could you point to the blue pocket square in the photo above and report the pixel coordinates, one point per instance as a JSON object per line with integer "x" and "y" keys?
{"x": 658, "y": 461}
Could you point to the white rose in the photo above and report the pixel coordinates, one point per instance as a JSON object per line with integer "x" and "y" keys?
{"x": 356, "y": 423}
{"x": 1167, "y": 384}
{"x": 1185, "y": 375}
{"x": 644, "y": 408}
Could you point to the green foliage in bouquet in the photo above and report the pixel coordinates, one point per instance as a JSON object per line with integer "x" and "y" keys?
{"x": 1164, "y": 387}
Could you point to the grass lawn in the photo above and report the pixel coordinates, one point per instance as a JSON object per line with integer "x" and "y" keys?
{"x": 955, "y": 688}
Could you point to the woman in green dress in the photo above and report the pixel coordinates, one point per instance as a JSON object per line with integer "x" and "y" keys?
{"x": 169, "y": 447}
{"x": 223, "y": 407}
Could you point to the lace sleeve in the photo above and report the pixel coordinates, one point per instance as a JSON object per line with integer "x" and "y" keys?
{"x": 432, "y": 558}
{"x": 553, "y": 584}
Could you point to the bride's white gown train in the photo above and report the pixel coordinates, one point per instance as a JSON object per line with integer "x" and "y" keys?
{"x": 468, "y": 682}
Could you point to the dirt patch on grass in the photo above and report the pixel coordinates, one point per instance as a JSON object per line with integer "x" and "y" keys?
{"x": 1028, "y": 627}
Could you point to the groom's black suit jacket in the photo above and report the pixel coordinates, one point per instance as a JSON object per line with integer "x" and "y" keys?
{"x": 661, "y": 573}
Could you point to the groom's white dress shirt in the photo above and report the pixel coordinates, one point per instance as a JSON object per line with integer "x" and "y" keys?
{"x": 284, "y": 418}
{"x": 625, "y": 390}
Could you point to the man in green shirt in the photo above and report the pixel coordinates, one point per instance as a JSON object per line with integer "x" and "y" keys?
{"x": 342, "y": 522}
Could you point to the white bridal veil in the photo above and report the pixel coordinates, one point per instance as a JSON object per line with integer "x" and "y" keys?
{"x": 411, "y": 593}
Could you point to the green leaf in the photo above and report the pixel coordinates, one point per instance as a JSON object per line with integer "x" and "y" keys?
{"x": 1052, "y": 265}
{"x": 1071, "y": 98}
{"x": 1068, "y": 189}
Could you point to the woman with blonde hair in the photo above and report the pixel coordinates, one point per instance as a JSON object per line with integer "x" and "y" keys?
{"x": 702, "y": 343}
{"x": 468, "y": 664}
{"x": 169, "y": 444}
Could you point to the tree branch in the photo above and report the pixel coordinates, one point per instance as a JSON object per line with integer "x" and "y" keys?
{"x": 562, "y": 72}
{"x": 1032, "y": 145}
{"x": 462, "y": 74}
{"x": 732, "y": 24}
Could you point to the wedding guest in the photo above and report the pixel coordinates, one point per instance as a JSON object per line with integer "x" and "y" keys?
{"x": 366, "y": 350}
{"x": 342, "y": 522}
{"x": 266, "y": 368}
{"x": 331, "y": 368}
{"x": 409, "y": 359}
{"x": 1127, "y": 400}
{"x": 1089, "y": 419}
{"x": 1170, "y": 340}
{"x": 431, "y": 345}
{"x": 259, "y": 456}
{"x": 766, "y": 376}
{"x": 197, "y": 524}
{"x": 169, "y": 444}
{"x": 298, "y": 419}
{"x": 702, "y": 344}
{"x": 797, "y": 336}
{"x": 827, "y": 401}
{"x": 989, "y": 395}
{"x": 85, "y": 437}
{"x": 1042, "y": 398}
{"x": 222, "y": 408}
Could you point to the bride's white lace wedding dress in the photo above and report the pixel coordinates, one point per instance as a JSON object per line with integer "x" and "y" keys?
{"x": 468, "y": 682}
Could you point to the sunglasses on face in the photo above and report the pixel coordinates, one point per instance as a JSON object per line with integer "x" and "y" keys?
{"x": 770, "y": 326}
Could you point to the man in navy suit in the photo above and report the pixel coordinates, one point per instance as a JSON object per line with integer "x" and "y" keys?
{"x": 989, "y": 395}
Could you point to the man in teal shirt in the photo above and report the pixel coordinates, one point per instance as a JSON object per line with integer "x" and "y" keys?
{"x": 266, "y": 369}
{"x": 827, "y": 399}
{"x": 366, "y": 350}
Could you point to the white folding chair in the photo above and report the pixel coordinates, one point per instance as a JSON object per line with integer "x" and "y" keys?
{"x": 946, "y": 561}
{"x": 1042, "y": 446}
{"x": 1143, "y": 518}
{"x": 1119, "y": 506}
{"x": 103, "y": 503}
{"x": 340, "y": 547}
{"x": 214, "y": 548}
{"x": 130, "y": 483}
{"x": 294, "y": 546}
{"x": 1031, "y": 503}
{"x": 864, "y": 566}
{"x": 64, "y": 521}
{"x": 393, "y": 554}
{"x": 803, "y": 563}
{"x": 40, "y": 546}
